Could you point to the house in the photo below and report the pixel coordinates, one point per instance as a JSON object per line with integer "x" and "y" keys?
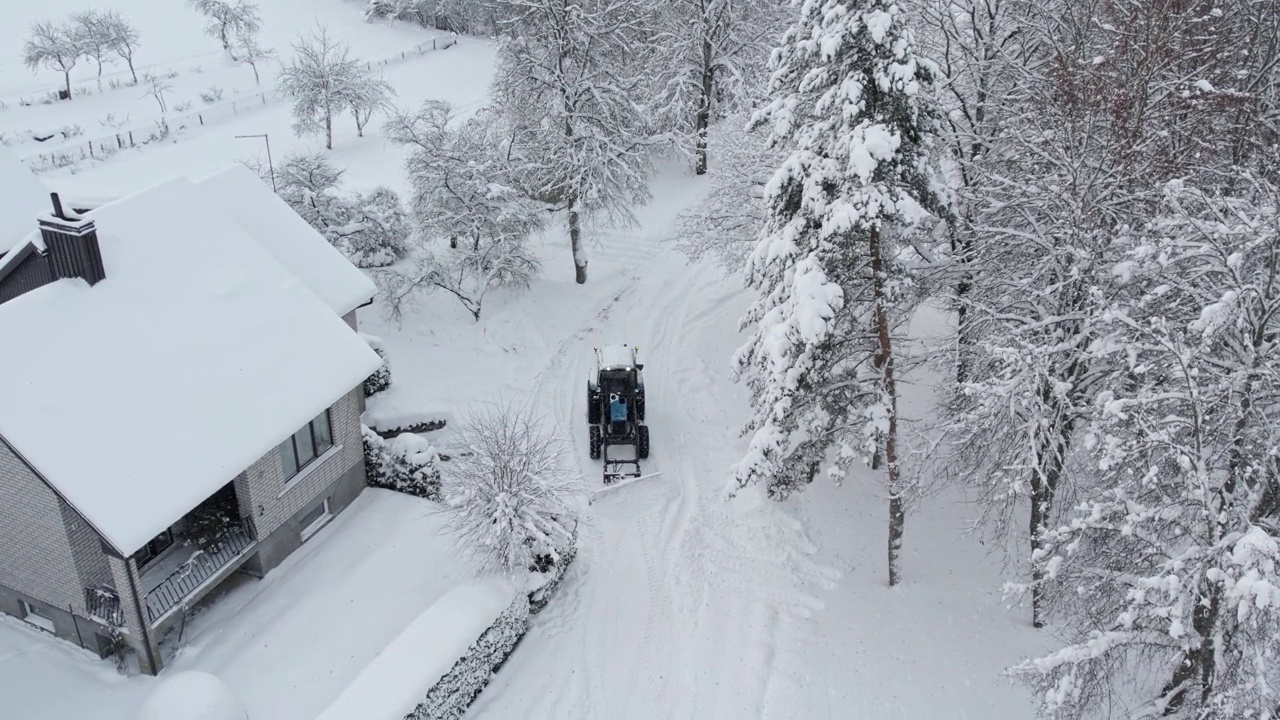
{"x": 179, "y": 401}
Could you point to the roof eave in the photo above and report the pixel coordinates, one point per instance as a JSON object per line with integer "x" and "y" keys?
{"x": 106, "y": 542}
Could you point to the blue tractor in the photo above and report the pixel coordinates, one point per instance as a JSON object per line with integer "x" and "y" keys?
{"x": 615, "y": 411}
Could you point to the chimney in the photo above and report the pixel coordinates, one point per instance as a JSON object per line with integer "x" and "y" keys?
{"x": 72, "y": 245}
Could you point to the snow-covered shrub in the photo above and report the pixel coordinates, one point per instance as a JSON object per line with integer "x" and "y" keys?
{"x": 212, "y": 95}
{"x": 511, "y": 498}
{"x": 547, "y": 575}
{"x": 405, "y": 464}
{"x": 450, "y": 697}
{"x": 369, "y": 228}
{"x": 375, "y": 230}
{"x": 193, "y": 695}
{"x": 381, "y": 378}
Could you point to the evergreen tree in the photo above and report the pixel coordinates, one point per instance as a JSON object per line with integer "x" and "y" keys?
{"x": 851, "y": 97}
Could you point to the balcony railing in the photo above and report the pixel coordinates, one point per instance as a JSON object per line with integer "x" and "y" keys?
{"x": 104, "y": 605}
{"x": 181, "y": 583}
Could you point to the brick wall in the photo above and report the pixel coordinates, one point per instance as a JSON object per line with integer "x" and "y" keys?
{"x": 260, "y": 487}
{"x": 35, "y": 553}
{"x": 86, "y": 549}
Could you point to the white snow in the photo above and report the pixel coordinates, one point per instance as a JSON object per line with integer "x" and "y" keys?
{"x": 617, "y": 356}
{"x": 400, "y": 676}
{"x": 268, "y": 219}
{"x": 138, "y": 397}
{"x": 22, "y": 198}
{"x": 193, "y": 695}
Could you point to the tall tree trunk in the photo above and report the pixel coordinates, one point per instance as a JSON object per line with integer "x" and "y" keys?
{"x": 133, "y": 73}
{"x": 884, "y": 361}
{"x": 575, "y": 244}
{"x": 703, "y": 120}
{"x": 963, "y": 249}
{"x": 328, "y": 129}
{"x": 99, "y": 76}
{"x": 66, "y": 76}
{"x": 1044, "y": 485}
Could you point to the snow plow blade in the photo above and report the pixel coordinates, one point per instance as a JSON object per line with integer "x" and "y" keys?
{"x": 628, "y": 481}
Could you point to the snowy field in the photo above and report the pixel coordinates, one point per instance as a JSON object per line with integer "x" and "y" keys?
{"x": 680, "y": 604}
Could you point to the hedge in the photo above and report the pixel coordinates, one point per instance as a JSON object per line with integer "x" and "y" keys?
{"x": 388, "y": 466}
{"x": 450, "y": 697}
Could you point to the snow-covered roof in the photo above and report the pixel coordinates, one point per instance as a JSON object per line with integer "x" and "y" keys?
{"x": 199, "y": 353}
{"x": 22, "y": 197}
{"x": 289, "y": 238}
{"x": 617, "y": 356}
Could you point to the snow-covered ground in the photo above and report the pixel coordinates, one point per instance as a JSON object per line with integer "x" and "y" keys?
{"x": 680, "y": 604}
{"x": 287, "y": 644}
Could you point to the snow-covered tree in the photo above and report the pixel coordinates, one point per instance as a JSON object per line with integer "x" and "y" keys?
{"x": 712, "y": 59}
{"x": 462, "y": 174}
{"x": 375, "y": 232}
{"x": 369, "y": 228}
{"x": 248, "y": 51}
{"x": 1083, "y": 148}
{"x": 226, "y": 21}
{"x": 725, "y": 224}
{"x": 370, "y": 95}
{"x": 55, "y": 46}
{"x": 1171, "y": 572}
{"x": 509, "y": 496}
{"x": 568, "y": 86}
{"x": 123, "y": 38}
{"x": 322, "y": 81}
{"x": 851, "y": 98}
{"x": 467, "y": 272}
{"x": 158, "y": 87}
{"x": 94, "y": 37}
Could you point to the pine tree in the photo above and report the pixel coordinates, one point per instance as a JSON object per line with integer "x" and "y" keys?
{"x": 852, "y": 98}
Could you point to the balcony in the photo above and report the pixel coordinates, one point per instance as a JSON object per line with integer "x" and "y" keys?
{"x": 104, "y": 605}
{"x": 188, "y": 570}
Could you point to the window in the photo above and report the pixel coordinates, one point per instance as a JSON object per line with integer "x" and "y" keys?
{"x": 316, "y": 519}
{"x": 157, "y": 545}
{"x": 310, "y": 442}
{"x": 33, "y": 616}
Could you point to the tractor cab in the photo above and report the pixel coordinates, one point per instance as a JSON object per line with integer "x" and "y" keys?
{"x": 615, "y": 410}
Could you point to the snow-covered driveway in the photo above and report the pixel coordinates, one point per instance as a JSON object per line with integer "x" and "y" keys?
{"x": 671, "y": 607}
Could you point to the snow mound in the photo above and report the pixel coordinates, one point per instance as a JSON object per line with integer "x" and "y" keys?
{"x": 193, "y": 695}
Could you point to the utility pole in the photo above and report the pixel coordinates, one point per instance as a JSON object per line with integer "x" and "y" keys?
{"x": 270, "y": 164}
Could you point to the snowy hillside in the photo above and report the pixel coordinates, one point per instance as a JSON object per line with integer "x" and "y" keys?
{"x": 957, "y": 408}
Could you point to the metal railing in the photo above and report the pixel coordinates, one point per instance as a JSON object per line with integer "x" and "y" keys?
{"x": 204, "y": 564}
{"x": 104, "y": 605}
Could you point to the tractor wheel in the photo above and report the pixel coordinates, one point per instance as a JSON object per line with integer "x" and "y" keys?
{"x": 596, "y": 441}
{"x": 640, "y": 407}
{"x": 642, "y": 442}
{"x": 593, "y": 408}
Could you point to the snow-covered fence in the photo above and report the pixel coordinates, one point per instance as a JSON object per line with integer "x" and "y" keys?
{"x": 442, "y": 660}
{"x": 160, "y": 128}
{"x": 142, "y": 133}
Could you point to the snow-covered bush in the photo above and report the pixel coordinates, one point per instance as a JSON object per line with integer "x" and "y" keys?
{"x": 548, "y": 575}
{"x": 454, "y": 15}
{"x": 449, "y": 698}
{"x": 511, "y": 499}
{"x": 381, "y": 378}
{"x": 375, "y": 231}
{"x": 406, "y": 464}
{"x": 193, "y": 695}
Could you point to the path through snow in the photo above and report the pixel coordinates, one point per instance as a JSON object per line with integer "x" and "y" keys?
{"x": 673, "y": 603}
